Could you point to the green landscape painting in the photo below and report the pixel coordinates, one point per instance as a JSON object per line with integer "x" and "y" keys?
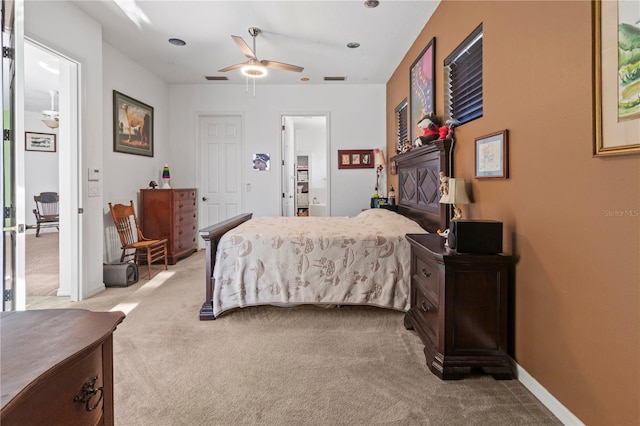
{"x": 628, "y": 60}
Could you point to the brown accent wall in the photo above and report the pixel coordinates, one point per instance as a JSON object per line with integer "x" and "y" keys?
{"x": 577, "y": 278}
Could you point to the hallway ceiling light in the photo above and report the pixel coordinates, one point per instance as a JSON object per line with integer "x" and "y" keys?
{"x": 50, "y": 118}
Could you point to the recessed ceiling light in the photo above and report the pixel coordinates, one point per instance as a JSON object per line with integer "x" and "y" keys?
{"x": 353, "y": 45}
{"x": 371, "y": 3}
{"x": 177, "y": 42}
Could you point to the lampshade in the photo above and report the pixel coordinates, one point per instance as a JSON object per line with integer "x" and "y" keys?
{"x": 456, "y": 194}
{"x": 379, "y": 157}
{"x": 52, "y": 123}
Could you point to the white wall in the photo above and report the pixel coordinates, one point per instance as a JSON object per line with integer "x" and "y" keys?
{"x": 40, "y": 168}
{"x": 125, "y": 174}
{"x": 357, "y": 121}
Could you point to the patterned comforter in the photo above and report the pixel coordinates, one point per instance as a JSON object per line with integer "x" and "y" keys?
{"x": 322, "y": 260}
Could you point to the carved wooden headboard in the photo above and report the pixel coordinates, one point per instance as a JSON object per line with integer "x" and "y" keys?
{"x": 419, "y": 184}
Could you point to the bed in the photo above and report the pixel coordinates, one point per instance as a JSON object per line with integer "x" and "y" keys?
{"x": 360, "y": 260}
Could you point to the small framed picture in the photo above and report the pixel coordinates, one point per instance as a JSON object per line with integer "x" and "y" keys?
{"x": 355, "y": 159}
{"x": 43, "y": 142}
{"x": 261, "y": 162}
{"x": 492, "y": 156}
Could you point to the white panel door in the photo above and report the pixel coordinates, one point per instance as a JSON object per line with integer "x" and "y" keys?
{"x": 220, "y": 185}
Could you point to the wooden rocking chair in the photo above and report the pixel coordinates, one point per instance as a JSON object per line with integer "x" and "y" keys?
{"x": 46, "y": 211}
{"x": 131, "y": 238}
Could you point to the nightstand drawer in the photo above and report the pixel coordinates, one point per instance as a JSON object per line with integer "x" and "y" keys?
{"x": 427, "y": 277}
{"x": 426, "y": 312}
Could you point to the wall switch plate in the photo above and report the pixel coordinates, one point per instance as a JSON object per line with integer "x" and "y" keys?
{"x": 94, "y": 174}
{"x": 94, "y": 190}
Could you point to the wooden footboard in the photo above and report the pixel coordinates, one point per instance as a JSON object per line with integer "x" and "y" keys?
{"x": 211, "y": 235}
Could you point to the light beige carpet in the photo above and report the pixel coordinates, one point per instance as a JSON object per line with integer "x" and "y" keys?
{"x": 284, "y": 366}
{"x": 42, "y": 266}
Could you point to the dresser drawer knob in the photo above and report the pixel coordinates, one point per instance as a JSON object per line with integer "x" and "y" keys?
{"x": 87, "y": 393}
{"x": 424, "y": 307}
{"x": 425, "y": 273}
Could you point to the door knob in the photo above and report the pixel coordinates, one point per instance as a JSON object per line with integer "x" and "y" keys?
{"x": 205, "y": 198}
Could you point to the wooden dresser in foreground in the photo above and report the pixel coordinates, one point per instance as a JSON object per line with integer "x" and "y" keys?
{"x": 57, "y": 367}
{"x": 171, "y": 214}
{"x": 459, "y": 308}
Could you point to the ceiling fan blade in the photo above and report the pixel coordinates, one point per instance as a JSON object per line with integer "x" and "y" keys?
{"x": 244, "y": 47}
{"x": 281, "y": 66}
{"x": 233, "y": 67}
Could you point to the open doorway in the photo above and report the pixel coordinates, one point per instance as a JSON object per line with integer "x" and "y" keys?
{"x": 305, "y": 168}
{"x": 41, "y": 169}
{"x": 50, "y": 111}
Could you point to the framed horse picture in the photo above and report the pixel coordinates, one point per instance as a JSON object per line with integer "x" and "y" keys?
{"x": 132, "y": 126}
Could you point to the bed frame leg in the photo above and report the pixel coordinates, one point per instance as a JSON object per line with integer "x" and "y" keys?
{"x": 206, "y": 312}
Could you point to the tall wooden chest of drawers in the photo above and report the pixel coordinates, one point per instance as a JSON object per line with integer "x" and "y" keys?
{"x": 57, "y": 367}
{"x": 171, "y": 214}
{"x": 459, "y": 308}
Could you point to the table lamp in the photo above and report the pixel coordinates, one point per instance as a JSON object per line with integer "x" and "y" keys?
{"x": 455, "y": 194}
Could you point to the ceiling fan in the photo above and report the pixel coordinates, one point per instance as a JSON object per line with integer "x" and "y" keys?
{"x": 254, "y": 67}
{"x": 50, "y": 116}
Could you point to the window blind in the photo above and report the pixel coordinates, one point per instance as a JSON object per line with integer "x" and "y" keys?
{"x": 463, "y": 68}
{"x": 402, "y": 128}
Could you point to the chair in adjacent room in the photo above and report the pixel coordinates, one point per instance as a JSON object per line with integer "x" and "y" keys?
{"x": 46, "y": 211}
{"x": 131, "y": 238}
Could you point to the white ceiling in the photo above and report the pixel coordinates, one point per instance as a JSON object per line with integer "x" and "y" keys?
{"x": 311, "y": 34}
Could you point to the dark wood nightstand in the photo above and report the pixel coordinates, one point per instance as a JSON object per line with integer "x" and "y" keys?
{"x": 459, "y": 308}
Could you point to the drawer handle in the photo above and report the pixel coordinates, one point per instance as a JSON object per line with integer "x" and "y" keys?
{"x": 181, "y": 219}
{"x": 425, "y": 273}
{"x": 424, "y": 307}
{"x": 87, "y": 393}
{"x": 180, "y": 205}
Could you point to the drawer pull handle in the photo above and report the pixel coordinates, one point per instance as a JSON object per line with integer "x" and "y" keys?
{"x": 424, "y": 307}
{"x": 425, "y": 273}
{"x": 87, "y": 393}
{"x": 180, "y": 205}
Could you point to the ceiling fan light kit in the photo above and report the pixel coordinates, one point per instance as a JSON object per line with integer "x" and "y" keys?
{"x": 255, "y": 68}
{"x": 51, "y": 115}
{"x": 254, "y": 71}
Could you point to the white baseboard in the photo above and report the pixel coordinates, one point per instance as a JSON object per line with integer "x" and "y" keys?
{"x": 548, "y": 400}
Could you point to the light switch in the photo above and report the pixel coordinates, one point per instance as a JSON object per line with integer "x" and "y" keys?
{"x": 94, "y": 190}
